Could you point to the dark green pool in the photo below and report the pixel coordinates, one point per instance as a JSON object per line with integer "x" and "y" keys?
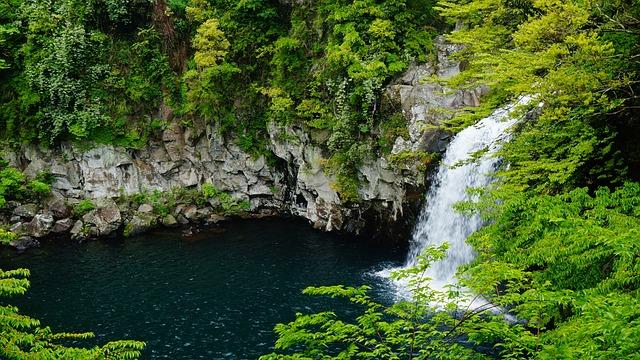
{"x": 216, "y": 295}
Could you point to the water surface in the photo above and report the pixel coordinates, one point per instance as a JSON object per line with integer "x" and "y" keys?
{"x": 216, "y": 295}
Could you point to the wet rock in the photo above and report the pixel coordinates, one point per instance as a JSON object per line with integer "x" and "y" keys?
{"x": 187, "y": 232}
{"x": 190, "y": 213}
{"x": 16, "y": 227}
{"x": 105, "y": 219}
{"x": 24, "y": 242}
{"x": 27, "y": 211}
{"x": 217, "y": 218}
{"x": 138, "y": 224}
{"x": 169, "y": 221}
{"x": 40, "y": 226}
{"x": 182, "y": 220}
{"x": 57, "y": 206}
{"x": 77, "y": 231}
{"x": 62, "y": 226}
{"x": 203, "y": 213}
{"x": 145, "y": 208}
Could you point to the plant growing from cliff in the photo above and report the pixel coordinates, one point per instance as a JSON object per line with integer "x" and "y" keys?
{"x": 408, "y": 159}
{"x": 15, "y": 186}
{"x": 11, "y": 181}
{"x": 83, "y": 207}
{"x": 23, "y": 337}
{"x": 40, "y": 187}
{"x": 209, "y": 191}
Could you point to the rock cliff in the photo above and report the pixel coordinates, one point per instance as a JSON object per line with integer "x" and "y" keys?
{"x": 293, "y": 183}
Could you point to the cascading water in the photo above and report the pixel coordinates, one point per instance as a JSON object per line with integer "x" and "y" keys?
{"x": 439, "y": 222}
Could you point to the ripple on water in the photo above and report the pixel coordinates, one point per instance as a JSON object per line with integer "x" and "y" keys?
{"x": 218, "y": 296}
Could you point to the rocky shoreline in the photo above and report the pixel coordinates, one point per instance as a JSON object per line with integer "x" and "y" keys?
{"x": 291, "y": 182}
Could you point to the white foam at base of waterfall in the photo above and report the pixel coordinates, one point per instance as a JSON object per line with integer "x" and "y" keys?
{"x": 439, "y": 222}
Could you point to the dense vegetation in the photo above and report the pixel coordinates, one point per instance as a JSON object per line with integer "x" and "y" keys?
{"x": 99, "y": 70}
{"x": 562, "y": 244}
{"x": 561, "y": 250}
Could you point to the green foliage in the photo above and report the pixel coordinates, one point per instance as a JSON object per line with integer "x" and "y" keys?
{"x": 210, "y": 44}
{"x": 6, "y": 236}
{"x": 429, "y": 326}
{"x": 15, "y": 186}
{"x": 39, "y": 188}
{"x": 11, "y": 181}
{"x": 408, "y": 159}
{"x": 390, "y": 129}
{"x": 225, "y": 202}
{"x": 99, "y": 70}
{"x": 23, "y": 337}
{"x": 575, "y": 251}
{"x": 83, "y": 207}
{"x": 72, "y": 62}
{"x": 576, "y": 58}
{"x": 209, "y": 191}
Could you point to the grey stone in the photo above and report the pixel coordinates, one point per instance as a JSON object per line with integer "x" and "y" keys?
{"x": 145, "y": 208}
{"x": 138, "y": 225}
{"x": 17, "y": 227}
{"x": 40, "y": 226}
{"x": 62, "y": 226}
{"x": 27, "y": 211}
{"x": 169, "y": 221}
{"x": 77, "y": 228}
{"x": 78, "y": 231}
{"x": 216, "y": 218}
{"x": 203, "y": 213}
{"x": 182, "y": 220}
{"x": 190, "y": 213}
{"x": 105, "y": 219}
{"x": 24, "y": 242}
{"x": 58, "y": 207}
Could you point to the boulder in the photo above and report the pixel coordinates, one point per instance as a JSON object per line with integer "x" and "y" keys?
{"x": 77, "y": 231}
{"x": 169, "y": 221}
{"x": 105, "y": 219}
{"x": 58, "y": 207}
{"x": 190, "y": 213}
{"x": 27, "y": 211}
{"x": 182, "y": 220}
{"x": 16, "y": 227}
{"x": 216, "y": 218}
{"x": 139, "y": 224}
{"x": 62, "y": 226}
{"x": 40, "y": 226}
{"x": 145, "y": 209}
{"x": 203, "y": 213}
{"x": 24, "y": 242}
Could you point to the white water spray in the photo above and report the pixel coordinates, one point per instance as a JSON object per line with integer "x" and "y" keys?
{"x": 459, "y": 171}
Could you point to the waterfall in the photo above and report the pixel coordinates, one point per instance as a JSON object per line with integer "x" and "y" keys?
{"x": 459, "y": 171}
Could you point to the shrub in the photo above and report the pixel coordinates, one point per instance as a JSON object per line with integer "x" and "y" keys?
{"x": 6, "y": 236}
{"x": 209, "y": 191}
{"x": 39, "y": 188}
{"x": 83, "y": 207}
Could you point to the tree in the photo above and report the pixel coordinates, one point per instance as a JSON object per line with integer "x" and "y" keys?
{"x": 210, "y": 44}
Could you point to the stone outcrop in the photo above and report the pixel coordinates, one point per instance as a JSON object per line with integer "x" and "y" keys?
{"x": 425, "y": 104}
{"x": 294, "y": 182}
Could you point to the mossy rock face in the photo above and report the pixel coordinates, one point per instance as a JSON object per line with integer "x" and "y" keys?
{"x": 139, "y": 224}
